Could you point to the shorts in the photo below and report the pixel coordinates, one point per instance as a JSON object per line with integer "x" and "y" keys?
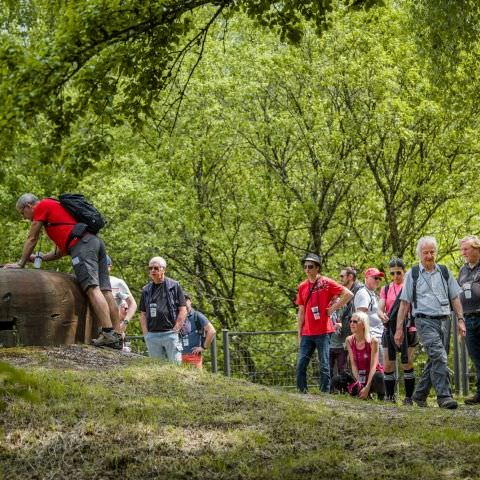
{"x": 89, "y": 261}
{"x": 193, "y": 359}
{"x": 410, "y": 339}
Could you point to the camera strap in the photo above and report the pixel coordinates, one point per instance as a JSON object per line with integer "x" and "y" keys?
{"x": 311, "y": 292}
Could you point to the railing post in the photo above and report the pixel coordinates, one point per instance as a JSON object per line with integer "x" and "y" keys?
{"x": 464, "y": 357}
{"x": 213, "y": 354}
{"x": 226, "y": 353}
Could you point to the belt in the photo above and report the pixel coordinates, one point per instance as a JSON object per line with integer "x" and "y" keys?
{"x": 471, "y": 315}
{"x": 432, "y": 317}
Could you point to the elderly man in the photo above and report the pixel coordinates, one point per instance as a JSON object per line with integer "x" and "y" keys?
{"x": 366, "y": 300}
{"x": 89, "y": 259}
{"x": 316, "y": 300}
{"x": 432, "y": 291}
{"x": 163, "y": 312}
{"x": 469, "y": 280}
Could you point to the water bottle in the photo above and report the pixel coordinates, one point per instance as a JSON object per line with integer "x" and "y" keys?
{"x": 37, "y": 263}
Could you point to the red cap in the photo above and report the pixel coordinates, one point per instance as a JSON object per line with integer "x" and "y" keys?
{"x": 373, "y": 272}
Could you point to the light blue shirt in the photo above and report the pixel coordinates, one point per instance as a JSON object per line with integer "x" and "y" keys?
{"x": 433, "y": 292}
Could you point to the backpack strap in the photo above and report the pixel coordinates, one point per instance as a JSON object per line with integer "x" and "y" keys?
{"x": 385, "y": 289}
{"x": 416, "y": 273}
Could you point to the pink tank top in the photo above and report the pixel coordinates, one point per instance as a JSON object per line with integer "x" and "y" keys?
{"x": 362, "y": 360}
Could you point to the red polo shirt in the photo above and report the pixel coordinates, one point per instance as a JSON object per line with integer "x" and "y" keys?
{"x": 323, "y": 291}
{"x": 50, "y": 211}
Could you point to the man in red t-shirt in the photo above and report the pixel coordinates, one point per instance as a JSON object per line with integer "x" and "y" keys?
{"x": 89, "y": 259}
{"x": 317, "y": 298}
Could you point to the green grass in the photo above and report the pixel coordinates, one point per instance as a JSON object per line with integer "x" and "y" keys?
{"x": 150, "y": 420}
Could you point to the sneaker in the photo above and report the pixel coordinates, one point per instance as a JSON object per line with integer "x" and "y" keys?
{"x": 448, "y": 403}
{"x": 392, "y": 399}
{"x": 108, "y": 339}
{"x": 420, "y": 402}
{"x": 408, "y": 401}
{"x": 473, "y": 400}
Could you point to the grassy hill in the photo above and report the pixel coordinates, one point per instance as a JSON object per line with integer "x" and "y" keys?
{"x": 100, "y": 415}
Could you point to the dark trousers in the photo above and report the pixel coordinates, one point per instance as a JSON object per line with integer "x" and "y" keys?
{"x": 473, "y": 344}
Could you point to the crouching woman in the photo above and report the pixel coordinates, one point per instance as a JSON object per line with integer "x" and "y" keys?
{"x": 367, "y": 374}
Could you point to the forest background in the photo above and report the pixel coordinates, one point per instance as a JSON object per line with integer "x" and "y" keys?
{"x": 232, "y": 137}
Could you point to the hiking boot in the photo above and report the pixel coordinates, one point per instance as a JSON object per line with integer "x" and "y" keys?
{"x": 420, "y": 402}
{"x": 108, "y": 339}
{"x": 408, "y": 401}
{"x": 473, "y": 400}
{"x": 448, "y": 403}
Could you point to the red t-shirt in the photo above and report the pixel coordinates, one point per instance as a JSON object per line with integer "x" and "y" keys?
{"x": 50, "y": 211}
{"x": 322, "y": 293}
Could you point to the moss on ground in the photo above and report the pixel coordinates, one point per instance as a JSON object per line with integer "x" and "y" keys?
{"x": 146, "y": 420}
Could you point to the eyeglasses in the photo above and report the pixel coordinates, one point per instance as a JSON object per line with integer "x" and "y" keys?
{"x": 396, "y": 272}
{"x": 155, "y": 268}
{"x": 308, "y": 266}
{"x": 354, "y": 321}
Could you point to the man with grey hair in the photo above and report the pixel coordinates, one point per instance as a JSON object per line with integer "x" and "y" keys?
{"x": 163, "y": 311}
{"x": 89, "y": 259}
{"x": 433, "y": 291}
{"x": 469, "y": 280}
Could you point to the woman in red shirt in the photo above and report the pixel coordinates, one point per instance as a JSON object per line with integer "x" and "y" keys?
{"x": 362, "y": 349}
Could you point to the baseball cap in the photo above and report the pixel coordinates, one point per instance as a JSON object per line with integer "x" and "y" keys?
{"x": 373, "y": 272}
{"x": 312, "y": 257}
{"x": 109, "y": 261}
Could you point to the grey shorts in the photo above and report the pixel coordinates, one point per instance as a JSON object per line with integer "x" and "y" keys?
{"x": 89, "y": 261}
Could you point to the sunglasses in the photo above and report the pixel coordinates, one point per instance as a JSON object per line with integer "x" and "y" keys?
{"x": 354, "y": 321}
{"x": 154, "y": 268}
{"x": 309, "y": 266}
{"x": 377, "y": 278}
{"x": 395, "y": 273}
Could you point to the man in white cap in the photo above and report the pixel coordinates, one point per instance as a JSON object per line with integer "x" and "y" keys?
{"x": 366, "y": 300}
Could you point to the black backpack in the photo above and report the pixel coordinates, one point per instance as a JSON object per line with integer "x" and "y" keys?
{"x": 82, "y": 211}
{"x": 88, "y": 218}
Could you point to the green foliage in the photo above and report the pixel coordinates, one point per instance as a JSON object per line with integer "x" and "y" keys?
{"x": 233, "y": 167}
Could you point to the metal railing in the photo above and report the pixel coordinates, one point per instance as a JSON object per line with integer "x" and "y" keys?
{"x": 270, "y": 358}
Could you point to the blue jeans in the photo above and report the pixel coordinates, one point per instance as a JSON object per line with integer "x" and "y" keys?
{"x": 164, "y": 345}
{"x": 473, "y": 344}
{"x": 308, "y": 344}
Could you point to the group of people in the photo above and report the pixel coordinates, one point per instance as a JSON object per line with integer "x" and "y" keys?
{"x": 359, "y": 330}
{"x": 355, "y": 328}
{"x": 172, "y": 329}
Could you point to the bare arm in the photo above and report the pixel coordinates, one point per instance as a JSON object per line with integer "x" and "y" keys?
{"x": 352, "y": 359}
{"x": 209, "y": 334}
{"x": 28, "y": 246}
{"x": 457, "y": 308}
{"x": 301, "y": 319}
{"x": 181, "y": 317}
{"x": 132, "y": 307}
{"x": 143, "y": 322}
{"x": 373, "y": 368}
{"x": 402, "y": 314}
{"x": 53, "y": 255}
{"x": 343, "y": 299}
